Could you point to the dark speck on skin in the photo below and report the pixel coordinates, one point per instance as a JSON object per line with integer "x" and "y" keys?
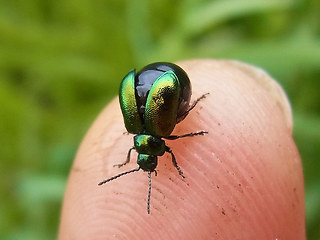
{"x": 223, "y": 211}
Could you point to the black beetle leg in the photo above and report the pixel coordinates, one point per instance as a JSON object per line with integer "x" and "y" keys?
{"x": 119, "y": 175}
{"x": 149, "y": 192}
{"x": 127, "y": 160}
{"x": 174, "y": 162}
{"x": 174, "y": 137}
{"x": 196, "y": 101}
{"x": 193, "y": 105}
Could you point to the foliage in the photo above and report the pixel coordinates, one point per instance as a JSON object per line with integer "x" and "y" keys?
{"x": 62, "y": 61}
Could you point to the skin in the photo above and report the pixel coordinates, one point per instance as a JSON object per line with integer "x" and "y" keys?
{"x": 243, "y": 180}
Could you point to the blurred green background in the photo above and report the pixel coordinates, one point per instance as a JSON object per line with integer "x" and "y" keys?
{"x": 61, "y": 62}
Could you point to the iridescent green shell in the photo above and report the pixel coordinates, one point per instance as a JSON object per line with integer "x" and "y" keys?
{"x": 155, "y": 99}
{"x": 160, "y": 116}
{"x": 128, "y": 104}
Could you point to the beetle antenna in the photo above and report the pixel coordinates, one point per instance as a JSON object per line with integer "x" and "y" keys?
{"x": 119, "y": 175}
{"x": 149, "y": 192}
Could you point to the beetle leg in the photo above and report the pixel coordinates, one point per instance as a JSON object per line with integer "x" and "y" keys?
{"x": 174, "y": 137}
{"x": 196, "y": 101}
{"x": 127, "y": 160}
{"x": 192, "y": 106}
{"x": 119, "y": 175}
{"x": 149, "y": 192}
{"x": 174, "y": 162}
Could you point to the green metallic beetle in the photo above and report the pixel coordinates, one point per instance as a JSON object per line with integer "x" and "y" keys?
{"x": 152, "y": 102}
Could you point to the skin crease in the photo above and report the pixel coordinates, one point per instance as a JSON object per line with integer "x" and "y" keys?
{"x": 243, "y": 180}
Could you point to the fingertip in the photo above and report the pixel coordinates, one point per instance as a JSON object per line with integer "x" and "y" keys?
{"x": 243, "y": 178}
{"x": 248, "y": 165}
{"x": 217, "y": 76}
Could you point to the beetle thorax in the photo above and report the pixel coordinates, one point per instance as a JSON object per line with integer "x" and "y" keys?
{"x": 148, "y": 144}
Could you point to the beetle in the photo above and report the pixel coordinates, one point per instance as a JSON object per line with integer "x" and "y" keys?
{"x": 152, "y": 102}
